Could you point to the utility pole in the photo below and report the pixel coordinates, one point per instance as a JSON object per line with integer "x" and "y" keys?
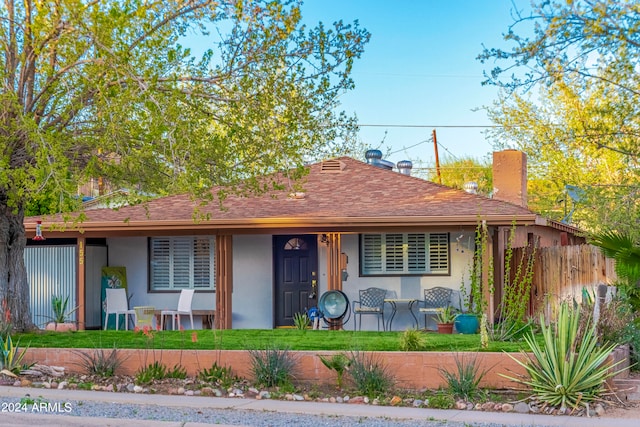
{"x": 435, "y": 148}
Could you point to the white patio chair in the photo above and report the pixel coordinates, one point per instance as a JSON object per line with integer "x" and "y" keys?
{"x": 184, "y": 307}
{"x": 117, "y": 304}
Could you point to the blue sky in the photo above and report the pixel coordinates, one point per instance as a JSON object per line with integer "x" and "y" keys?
{"x": 420, "y": 69}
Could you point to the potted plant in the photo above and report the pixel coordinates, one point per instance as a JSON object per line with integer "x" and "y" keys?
{"x": 473, "y": 302}
{"x": 445, "y": 319}
{"x": 60, "y": 320}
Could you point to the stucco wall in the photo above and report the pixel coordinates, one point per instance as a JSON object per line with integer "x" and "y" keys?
{"x": 252, "y": 282}
{"x": 414, "y": 370}
{"x": 461, "y": 253}
{"x": 132, "y": 253}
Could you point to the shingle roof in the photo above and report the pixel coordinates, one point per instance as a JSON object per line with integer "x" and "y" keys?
{"x": 343, "y": 190}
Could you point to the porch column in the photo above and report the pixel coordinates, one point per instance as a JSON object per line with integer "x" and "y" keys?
{"x": 334, "y": 275}
{"x": 224, "y": 281}
{"x": 82, "y": 284}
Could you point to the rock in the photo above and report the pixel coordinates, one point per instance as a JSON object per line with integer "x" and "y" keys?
{"x": 137, "y": 389}
{"x": 264, "y": 395}
{"x": 507, "y": 407}
{"x": 366, "y": 399}
{"x": 599, "y": 409}
{"x": 73, "y": 386}
{"x": 487, "y": 406}
{"x": 339, "y": 399}
{"x": 332, "y": 399}
{"x": 417, "y": 403}
{"x": 54, "y": 384}
{"x": 46, "y": 385}
{"x": 461, "y": 405}
{"x": 130, "y": 387}
{"x": 298, "y": 398}
{"x": 197, "y": 393}
{"x": 188, "y": 393}
{"x": 376, "y": 401}
{"x": 206, "y": 391}
{"x": 108, "y": 388}
{"x": 218, "y": 392}
{"x": 395, "y": 400}
{"x": 180, "y": 390}
{"x": 521, "y": 408}
{"x": 346, "y": 399}
{"x": 25, "y": 383}
{"x": 470, "y": 406}
{"x": 254, "y": 390}
{"x": 358, "y": 400}
{"x": 478, "y": 407}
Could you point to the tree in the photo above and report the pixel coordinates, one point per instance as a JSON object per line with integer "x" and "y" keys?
{"x": 457, "y": 172}
{"x": 108, "y": 89}
{"x": 570, "y": 99}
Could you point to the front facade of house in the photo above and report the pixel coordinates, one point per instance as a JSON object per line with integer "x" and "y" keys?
{"x": 264, "y": 258}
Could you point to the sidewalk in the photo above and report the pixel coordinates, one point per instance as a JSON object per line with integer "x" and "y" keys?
{"x": 307, "y": 408}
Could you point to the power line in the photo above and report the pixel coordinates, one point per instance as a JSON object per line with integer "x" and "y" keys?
{"x": 428, "y": 126}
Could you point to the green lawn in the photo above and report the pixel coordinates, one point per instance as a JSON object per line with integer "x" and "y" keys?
{"x": 243, "y": 339}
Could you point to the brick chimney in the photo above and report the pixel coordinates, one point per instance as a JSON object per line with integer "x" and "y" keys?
{"x": 510, "y": 176}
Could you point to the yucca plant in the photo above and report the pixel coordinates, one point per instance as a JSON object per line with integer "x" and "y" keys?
{"x": 464, "y": 382}
{"x": 565, "y": 371}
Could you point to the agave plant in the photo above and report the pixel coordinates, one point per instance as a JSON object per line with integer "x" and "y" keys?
{"x": 566, "y": 371}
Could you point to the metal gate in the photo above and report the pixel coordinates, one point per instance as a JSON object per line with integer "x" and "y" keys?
{"x": 51, "y": 270}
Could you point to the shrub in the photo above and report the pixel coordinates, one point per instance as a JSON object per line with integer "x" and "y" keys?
{"x": 178, "y": 372}
{"x": 153, "y": 371}
{"x": 369, "y": 374}
{"x": 464, "y": 381}
{"x": 272, "y": 367}
{"x": 339, "y": 363}
{"x": 99, "y": 361}
{"x": 219, "y": 375}
{"x": 441, "y": 400}
{"x": 411, "y": 340}
{"x": 300, "y": 320}
{"x": 566, "y": 371}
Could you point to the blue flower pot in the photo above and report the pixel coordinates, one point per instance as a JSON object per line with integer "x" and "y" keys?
{"x": 466, "y": 323}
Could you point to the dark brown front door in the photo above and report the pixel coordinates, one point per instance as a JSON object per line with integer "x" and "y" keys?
{"x": 296, "y": 275}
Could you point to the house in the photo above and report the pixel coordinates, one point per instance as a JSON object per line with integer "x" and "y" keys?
{"x": 263, "y": 258}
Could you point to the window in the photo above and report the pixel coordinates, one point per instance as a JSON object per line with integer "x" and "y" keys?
{"x": 182, "y": 263}
{"x": 404, "y": 253}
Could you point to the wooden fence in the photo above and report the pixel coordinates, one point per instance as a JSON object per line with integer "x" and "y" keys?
{"x": 561, "y": 272}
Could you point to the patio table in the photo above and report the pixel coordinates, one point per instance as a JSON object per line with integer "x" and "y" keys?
{"x": 408, "y": 302}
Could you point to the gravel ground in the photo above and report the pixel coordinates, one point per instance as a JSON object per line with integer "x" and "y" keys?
{"x": 240, "y": 417}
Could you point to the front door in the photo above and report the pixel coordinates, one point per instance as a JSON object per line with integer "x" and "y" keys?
{"x": 296, "y": 276}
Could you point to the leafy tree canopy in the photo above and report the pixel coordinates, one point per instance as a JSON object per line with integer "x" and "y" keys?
{"x": 570, "y": 99}
{"x": 110, "y": 89}
{"x": 456, "y": 172}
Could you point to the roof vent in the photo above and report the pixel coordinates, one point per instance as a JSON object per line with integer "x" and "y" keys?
{"x": 471, "y": 187}
{"x": 332, "y": 166}
{"x": 374, "y": 157}
{"x": 404, "y": 167}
